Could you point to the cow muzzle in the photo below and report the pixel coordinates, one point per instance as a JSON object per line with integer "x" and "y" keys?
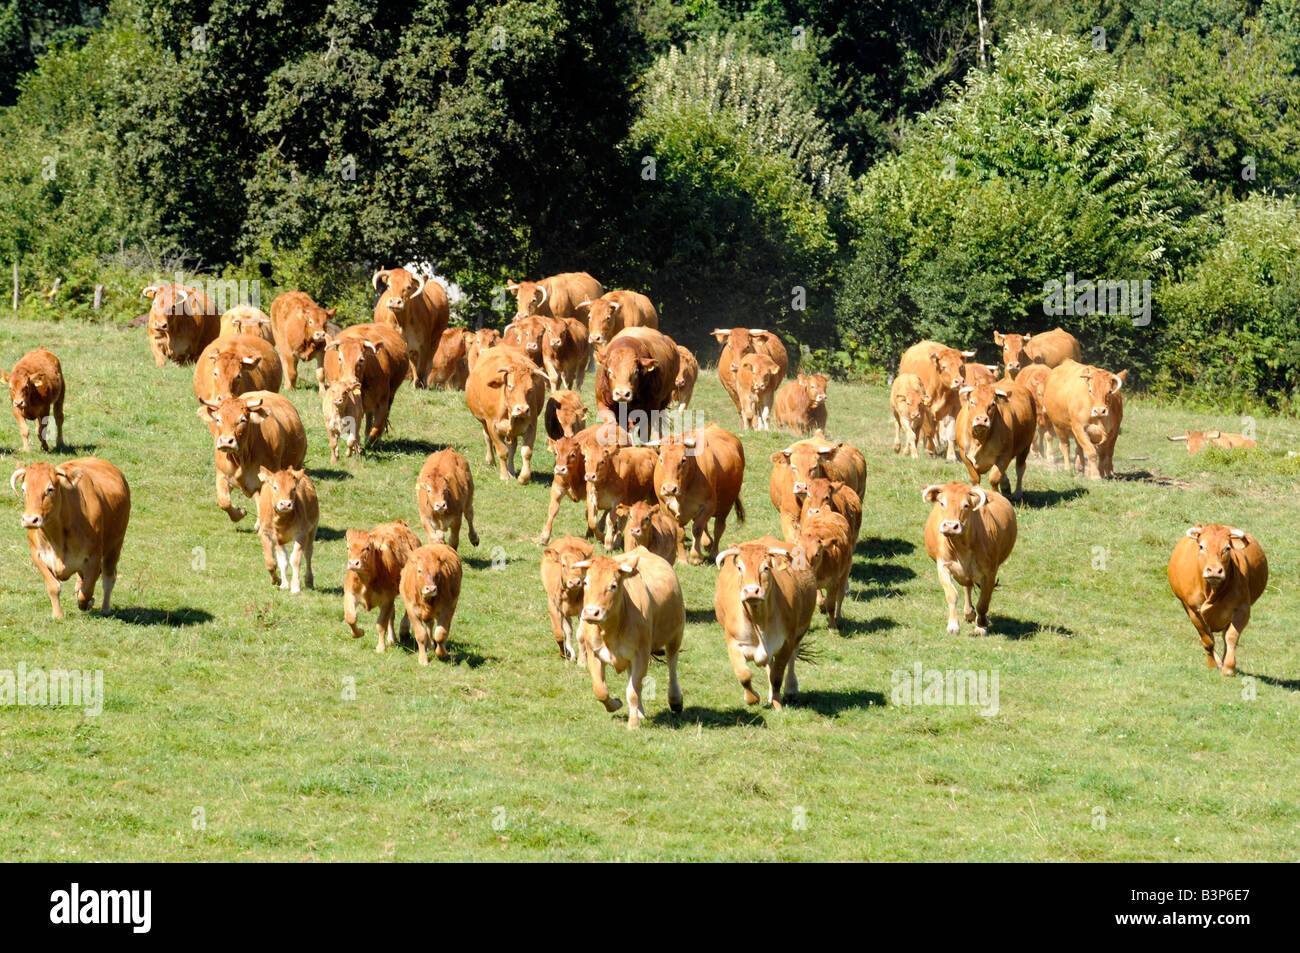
{"x": 980, "y": 427}
{"x": 33, "y": 521}
{"x": 593, "y": 614}
{"x": 354, "y": 565}
{"x": 284, "y": 506}
{"x": 227, "y": 444}
{"x": 430, "y": 590}
{"x": 622, "y": 394}
{"x": 519, "y": 410}
{"x": 819, "y": 399}
{"x": 958, "y": 383}
{"x": 318, "y": 336}
{"x": 1101, "y": 411}
{"x": 950, "y": 527}
{"x": 561, "y": 470}
{"x": 752, "y": 593}
{"x": 799, "y": 489}
{"x": 440, "y": 506}
{"x": 1214, "y": 574}
{"x": 598, "y": 339}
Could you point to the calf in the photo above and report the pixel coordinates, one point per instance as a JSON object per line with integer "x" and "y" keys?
{"x": 765, "y": 606}
{"x": 632, "y": 609}
{"x": 736, "y": 343}
{"x": 570, "y": 474}
{"x": 645, "y": 524}
{"x": 343, "y": 408}
{"x": 375, "y": 356}
{"x": 798, "y": 464}
{"x": 444, "y": 493}
{"x": 563, "y": 585}
{"x": 942, "y": 371}
{"x": 697, "y": 478}
{"x": 614, "y": 311}
{"x": 451, "y": 359}
{"x": 565, "y": 352}
{"x": 909, "y": 402}
{"x": 483, "y": 340}
{"x": 969, "y": 535}
{"x": 287, "y": 512}
{"x": 1218, "y": 572}
{"x": 617, "y": 474}
{"x": 75, "y": 515}
{"x": 756, "y": 384}
{"x": 688, "y": 372}
{"x": 1085, "y": 402}
{"x": 565, "y": 414}
{"x": 182, "y": 321}
{"x": 1051, "y": 348}
{"x": 235, "y": 365}
{"x": 505, "y": 392}
{"x": 826, "y": 548}
{"x": 298, "y": 327}
{"x": 801, "y": 404}
{"x": 254, "y": 430}
{"x": 246, "y": 319}
{"x": 430, "y": 586}
{"x": 995, "y": 425}
{"x": 1198, "y": 441}
{"x": 36, "y": 392}
{"x": 525, "y": 334}
{"x": 832, "y": 496}
{"x": 1034, "y": 377}
{"x": 374, "y": 574}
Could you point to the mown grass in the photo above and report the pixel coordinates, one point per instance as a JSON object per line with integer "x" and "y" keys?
{"x": 225, "y": 699}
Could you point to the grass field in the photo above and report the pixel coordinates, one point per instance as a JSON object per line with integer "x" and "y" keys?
{"x": 229, "y": 732}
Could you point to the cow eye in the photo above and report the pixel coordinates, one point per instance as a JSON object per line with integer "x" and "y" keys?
{"x": 49, "y": 490}
{"x": 613, "y": 586}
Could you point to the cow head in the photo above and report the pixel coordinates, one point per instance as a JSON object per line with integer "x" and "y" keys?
{"x": 26, "y": 391}
{"x": 517, "y": 382}
{"x": 363, "y": 553}
{"x": 569, "y": 555}
{"x": 955, "y": 502}
{"x": 805, "y": 461}
{"x": 756, "y": 564}
{"x": 569, "y": 459}
{"x": 403, "y": 287}
{"x": 1013, "y": 348}
{"x": 44, "y": 488}
{"x": 434, "y": 491}
{"x": 527, "y": 333}
{"x": 603, "y": 594}
{"x": 639, "y": 519}
{"x": 951, "y": 365}
{"x": 530, "y": 296}
{"x": 1214, "y": 545}
{"x": 352, "y": 355}
{"x": 625, "y": 371}
{"x": 820, "y": 497}
{"x": 602, "y": 319}
{"x": 231, "y": 421}
{"x": 676, "y": 466}
{"x": 283, "y": 487}
{"x": 815, "y": 386}
{"x": 231, "y": 371}
{"x": 1196, "y": 440}
{"x": 566, "y": 412}
{"x": 982, "y": 406}
{"x": 1101, "y": 384}
{"x": 757, "y": 376}
{"x": 819, "y": 536}
{"x": 168, "y": 301}
{"x": 742, "y": 340}
{"x": 599, "y": 464}
{"x": 912, "y": 403}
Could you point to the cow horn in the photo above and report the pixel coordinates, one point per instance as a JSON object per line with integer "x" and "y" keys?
{"x": 545, "y": 294}
{"x": 615, "y": 305}
{"x": 374, "y": 279}
{"x": 583, "y": 304}
{"x": 967, "y": 353}
{"x": 582, "y": 564}
{"x": 965, "y": 390}
{"x": 724, "y": 554}
{"x": 984, "y": 497}
{"x": 1237, "y": 533}
{"x": 13, "y": 480}
{"x": 423, "y": 281}
{"x": 1213, "y": 434}
{"x": 185, "y": 296}
{"x": 1193, "y": 532}
{"x": 1179, "y": 437}
{"x": 254, "y": 403}
{"x": 1119, "y": 382}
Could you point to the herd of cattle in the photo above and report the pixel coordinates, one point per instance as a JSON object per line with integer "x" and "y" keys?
{"x": 645, "y": 488}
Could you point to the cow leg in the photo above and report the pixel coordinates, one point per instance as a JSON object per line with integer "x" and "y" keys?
{"x": 791, "y": 694}
{"x": 269, "y": 556}
{"x": 513, "y": 446}
{"x": 1020, "y": 474}
{"x": 86, "y": 580}
{"x": 998, "y": 478}
{"x": 674, "y": 688}
{"x": 236, "y": 513}
{"x": 296, "y": 561}
{"x": 490, "y": 457}
{"x": 23, "y": 430}
{"x": 970, "y": 468}
{"x": 635, "y": 676}
{"x": 1207, "y": 638}
{"x": 1063, "y": 443}
{"x": 560, "y": 628}
{"x": 552, "y": 509}
{"x": 384, "y": 625}
{"x": 469, "y": 522}
{"x": 155, "y": 345}
{"x": 948, "y": 430}
{"x": 334, "y": 446}
{"x": 898, "y": 434}
{"x": 308, "y": 545}
{"x": 986, "y": 596}
{"x": 1230, "y": 639}
{"x": 1087, "y": 449}
{"x": 441, "y": 632}
{"x": 380, "y": 420}
{"x": 740, "y": 666}
{"x": 530, "y": 435}
{"x": 950, "y": 593}
{"x": 699, "y": 534}
{"x": 282, "y": 565}
{"x": 596, "y": 668}
{"x": 350, "y": 612}
{"x": 777, "y": 666}
{"x": 497, "y": 455}
{"x": 289, "y": 364}
{"x": 719, "y": 526}
{"x": 421, "y": 633}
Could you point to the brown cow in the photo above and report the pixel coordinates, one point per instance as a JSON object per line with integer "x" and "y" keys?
{"x": 975, "y": 373}
{"x": 451, "y": 359}
{"x": 343, "y": 408}
{"x": 526, "y": 334}
{"x": 570, "y": 474}
{"x": 1198, "y": 441}
{"x": 299, "y": 327}
{"x": 444, "y": 493}
{"x": 182, "y": 321}
{"x": 909, "y": 402}
{"x": 736, "y": 343}
{"x": 636, "y": 378}
{"x": 374, "y": 576}
{"x": 969, "y": 535}
{"x": 565, "y": 414}
{"x": 557, "y": 296}
{"x": 484, "y": 339}
{"x": 374, "y": 355}
{"x": 942, "y": 371}
{"x": 765, "y": 607}
{"x": 563, "y": 585}
{"x": 632, "y": 609}
{"x": 1052, "y": 348}
{"x": 798, "y": 464}
{"x": 430, "y": 586}
{"x": 235, "y": 365}
{"x": 36, "y": 392}
{"x": 1218, "y": 572}
{"x": 832, "y": 496}
{"x": 645, "y": 524}
{"x": 616, "y": 474}
{"x": 251, "y": 431}
{"x": 688, "y": 372}
{"x": 801, "y": 404}
{"x": 825, "y": 547}
{"x": 1034, "y": 377}
{"x": 996, "y": 424}
{"x": 288, "y": 511}
{"x": 614, "y": 311}
{"x": 697, "y": 478}
{"x": 505, "y": 393}
{"x": 756, "y": 384}
{"x": 75, "y": 515}
{"x": 1085, "y": 402}
{"x": 417, "y": 306}
{"x": 246, "y": 319}
{"x": 565, "y": 352}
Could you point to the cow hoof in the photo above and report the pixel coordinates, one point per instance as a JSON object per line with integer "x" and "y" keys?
{"x": 473, "y": 538}
{"x": 613, "y": 704}
{"x": 675, "y": 705}
{"x": 1228, "y": 671}
{"x": 953, "y": 628}
{"x": 294, "y": 590}
{"x": 981, "y": 630}
{"x": 790, "y": 698}
{"x": 776, "y": 704}
{"x": 235, "y": 514}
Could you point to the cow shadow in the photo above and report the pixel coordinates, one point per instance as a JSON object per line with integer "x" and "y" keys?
{"x": 476, "y": 562}
{"x": 1041, "y": 499}
{"x": 1290, "y": 684}
{"x": 326, "y": 534}
{"x": 711, "y": 718}
{"x": 700, "y": 616}
{"x": 873, "y": 547}
{"x": 329, "y": 590}
{"x": 329, "y": 475}
{"x": 401, "y": 445}
{"x": 75, "y": 450}
{"x": 174, "y": 618}
{"x": 851, "y": 627}
{"x": 1015, "y": 630}
{"x": 879, "y": 580}
{"x": 458, "y": 655}
{"x": 832, "y": 703}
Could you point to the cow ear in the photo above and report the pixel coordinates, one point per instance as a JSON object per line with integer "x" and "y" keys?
{"x": 1002, "y": 395}
{"x": 1193, "y": 532}
{"x": 628, "y": 565}
{"x": 999, "y": 338}
{"x": 648, "y": 363}
{"x": 330, "y": 312}
{"x": 1237, "y": 539}
{"x": 799, "y": 559}
{"x": 257, "y": 414}
{"x": 934, "y": 358}
{"x": 264, "y": 474}
{"x": 550, "y": 555}
{"x": 371, "y": 347}
{"x": 621, "y": 510}
{"x": 205, "y": 414}
{"x": 931, "y": 493}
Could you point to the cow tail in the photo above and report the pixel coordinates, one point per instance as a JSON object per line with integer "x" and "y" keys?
{"x": 740, "y": 511}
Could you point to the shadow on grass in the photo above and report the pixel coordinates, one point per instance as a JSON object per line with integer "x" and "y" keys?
{"x": 877, "y": 548}
{"x": 458, "y": 655}
{"x": 1290, "y": 684}
{"x": 75, "y": 450}
{"x": 880, "y": 580}
{"x": 832, "y": 703}
{"x": 177, "y": 618}
{"x": 1040, "y": 499}
{"x": 700, "y": 616}
{"x": 326, "y": 534}
{"x": 328, "y": 474}
{"x": 1015, "y": 630}
{"x": 409, "y": 445}
{"x": 1146, "y": 476}
{"x": 710, "y": 718}
{"x": 476, "y": 562}
{"x": 851, "y": 627}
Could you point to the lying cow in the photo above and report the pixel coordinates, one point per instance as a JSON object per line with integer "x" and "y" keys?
{"x": 1051, "y": 348}
{"x": 182, "y": 321}
{"x": 563, "y": 585}
{"x": 36, "y": 392}
{"x": 299, "y": 329}
{"x": 430, "y": 587}
{"x": 235, "y": 365}
{"x": 75, "y": 515}
{"x": 697, "y": 478}
{"x": 801, "y": 404}
{"x": 909, "y": 402}
{"x": 374, "y": 576}
{"x": 969, "y": 535}
{"x": 288, "y": 511}
{"x": 444, "y": 493}
{"x": 765, "y": 607}
{"x": 255, "y": 430}
{"x": 1218, "y": 572}
{"x": 1198, "y": 441}
{"x": 756, "y": 384}
{"x": 505, "y": 392}
{"x": 996, "y": 424}
{"x": 645, "y": 524}
{"x": 632, "y": 609}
